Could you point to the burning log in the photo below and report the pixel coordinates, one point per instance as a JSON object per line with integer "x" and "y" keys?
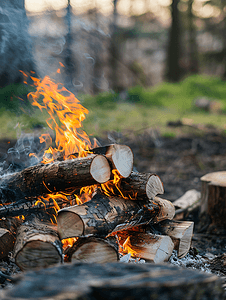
{"x": 138, "y": 186}
{"x": 119, "y": 156}
{"x": 37, "y": 245}
{"x": 93, "y": 250}
{"x": 167, "y": 210}
{"x": 180, "y": 232}
{"x": 65, "y": 176}
{"x": 151, "y": 247}
{"x": 7, "y": 241}
{"x": 213, "y": 199}
{"x": 103, "y": 215}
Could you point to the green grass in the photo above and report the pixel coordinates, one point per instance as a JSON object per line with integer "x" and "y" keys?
{"x": 143, "y": 108}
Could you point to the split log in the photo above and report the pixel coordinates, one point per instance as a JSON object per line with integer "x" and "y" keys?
{"x": 167, "y": 210}
{"x": 7, "y": 241}
{"x": 120, "y": 157}
{"x": 181, "y": 234}
{"x": 138, "y": 186}
{"x": 37, "y": 245}
{"x": 213, "y": 199}
{"x": 103, "y": 215}
{"x": 65, "y": 176}
{"x": 151, "y": 247}
{"x": 115, "y": 281}
{"x": 92, "y": 250}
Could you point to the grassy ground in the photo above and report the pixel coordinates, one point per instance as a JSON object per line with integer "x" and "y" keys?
{"x": 142, "y": 108}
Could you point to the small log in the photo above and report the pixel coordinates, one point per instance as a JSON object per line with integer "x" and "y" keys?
{"x": 120, "y": 157}
{"x": 138, "y": 186}
{"x": 167, "y": 210}
{"x": 213, "y": 199}
{"x": 7, "y": 241}
{"x": 103, "y": 215}
{"x": 180, "y": 232}
{"x": 151, "y": 247}
{"x": 37, "y": 245}
{"x": 65, "y": 176}
{"x": 92, "y": 250}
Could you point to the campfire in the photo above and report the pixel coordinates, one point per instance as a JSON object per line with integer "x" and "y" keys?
{"x": 83, "y": 202}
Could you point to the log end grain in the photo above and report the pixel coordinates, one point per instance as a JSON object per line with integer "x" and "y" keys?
{"x": 167, "y": 209}
{"x": 69, "y": 224}
{"x": 122, "y": 159}
{"x": 37, "y": 254}
{"x": 100, "y": 169}
{"x": 215, "y": 178}
{"x": 7, "y": 241}
{"x": 93, "y": 250}
{"x": 154, "y": 186}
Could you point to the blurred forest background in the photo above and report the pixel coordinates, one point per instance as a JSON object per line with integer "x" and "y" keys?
{"x": 168, "y": 55}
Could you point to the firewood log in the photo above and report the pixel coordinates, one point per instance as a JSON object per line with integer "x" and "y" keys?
{"x": 120, "y": 157}
{"x": 92, "y": 250}
{"x": 115, "y": 281}
{"x": 213, "y": 199}
{"x": 180, "y": 232}
{"x": 138, "y": 186}
{"x": 167, "y": 210}
{"x": 65, "y": 176}
{"x": 37, "y": 245}
{"x": 7, "y": 241}
{"x": 151, "y": 247}
{"x": 103, "y": 215}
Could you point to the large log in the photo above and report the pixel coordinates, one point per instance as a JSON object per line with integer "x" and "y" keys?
{"x": 92, "y": 250}
{"x": 115, "y": 281}
{"x": 181, "y": 233}
{"x": 103, "y": 215}
{"x": 213, "y": 199}
{"x": 138, "y": 186}
{"x": 65, "y": 176}
{"x": 151, "y": 247}
{"x": 37, "y": 245}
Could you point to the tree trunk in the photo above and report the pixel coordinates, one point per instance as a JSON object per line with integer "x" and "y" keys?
{"x": 193, "y": 53}
{"x": 173, "y": 72}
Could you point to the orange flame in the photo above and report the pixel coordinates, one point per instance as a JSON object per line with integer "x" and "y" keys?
{"x": 66, "y": 116}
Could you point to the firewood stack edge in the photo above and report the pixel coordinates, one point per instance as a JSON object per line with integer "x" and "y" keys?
{"x": 123, "y": 213}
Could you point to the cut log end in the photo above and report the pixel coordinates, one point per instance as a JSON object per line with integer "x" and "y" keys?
{"x": 100, "y": 169}
{"x": 37, "y": 254}
{"x": 93, "y": 250}
{"x": 122, "y": 159}
{"x": 7, "y": 241}
{"x": 154, "y": 186}
{"x": 167, "y": 209}
{"x": 69, "y": 224}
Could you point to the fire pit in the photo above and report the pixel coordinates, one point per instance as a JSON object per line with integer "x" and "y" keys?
{"x": 83, "y": 203}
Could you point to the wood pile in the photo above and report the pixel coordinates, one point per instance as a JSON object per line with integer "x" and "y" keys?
{"x": 119, "y": 212}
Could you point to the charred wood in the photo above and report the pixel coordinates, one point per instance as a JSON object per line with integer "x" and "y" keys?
{"x": 7, "y": 241}
{"x": 65, "y": 176}
{"x": 103, "y": 215}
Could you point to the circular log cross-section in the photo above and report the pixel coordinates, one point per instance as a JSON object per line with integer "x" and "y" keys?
{"x": 115, "y": 281}
{"x": 213, "y": 199}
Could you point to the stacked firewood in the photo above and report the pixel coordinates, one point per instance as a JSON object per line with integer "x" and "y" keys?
{"x": 122, "y": 215}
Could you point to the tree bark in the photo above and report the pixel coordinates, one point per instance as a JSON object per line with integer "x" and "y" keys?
{"x": 65, "y": 176}
{"x": 37, "y": 245}
{"x": 103, "y": 215}
{"x": 92, "y": 250}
